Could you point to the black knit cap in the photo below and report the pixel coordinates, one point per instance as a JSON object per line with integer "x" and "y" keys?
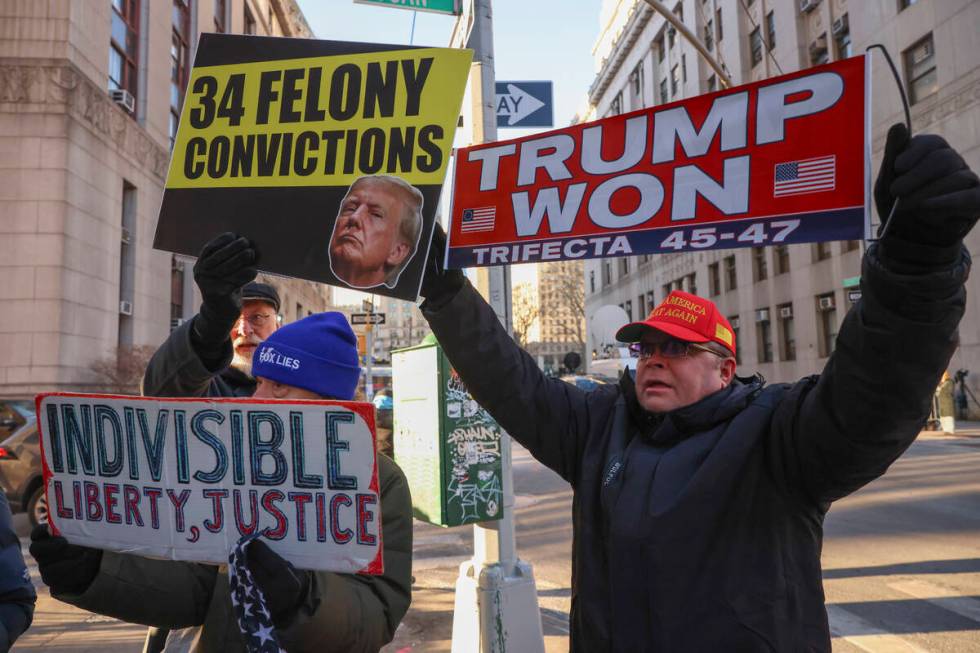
{"x": 262, "y": 292}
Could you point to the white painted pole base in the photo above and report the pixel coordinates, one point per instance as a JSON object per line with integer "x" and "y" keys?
{"x": 496, "y": 613}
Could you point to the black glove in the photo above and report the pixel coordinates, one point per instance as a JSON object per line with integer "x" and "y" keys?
{"x": 64, "y": 567}
{"x": 939, "y": 199}
{"x": 285, "y": 588}
{"x": 225, "y": 265}
{"x": 439, "y": 286}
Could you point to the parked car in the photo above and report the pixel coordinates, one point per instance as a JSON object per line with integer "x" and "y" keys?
{"x": 20, "y": 460}
{"x": 588, "y": 382}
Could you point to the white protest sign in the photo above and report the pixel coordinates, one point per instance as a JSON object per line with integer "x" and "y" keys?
{"x": 185, "y": 479}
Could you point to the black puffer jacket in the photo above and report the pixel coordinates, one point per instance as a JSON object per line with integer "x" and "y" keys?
{"x": 701, "y": 530}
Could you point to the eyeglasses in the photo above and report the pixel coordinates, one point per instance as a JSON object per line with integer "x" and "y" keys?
{"x": 670, "y": 348}
{"x": 256, "y": 320}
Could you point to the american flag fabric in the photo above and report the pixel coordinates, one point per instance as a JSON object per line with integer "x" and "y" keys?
{"x": 481, "y": 219}
{"x": 807, "y": 176}
{"x": 254, "y": 618}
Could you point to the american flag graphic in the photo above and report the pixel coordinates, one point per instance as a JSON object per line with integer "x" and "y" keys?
{"x": 806, "y": 176}
{"x": 481, "y": 219}
{"x": 254, "y": 618}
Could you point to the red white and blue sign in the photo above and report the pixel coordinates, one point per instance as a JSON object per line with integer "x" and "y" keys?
{"x": 775, "y": 162}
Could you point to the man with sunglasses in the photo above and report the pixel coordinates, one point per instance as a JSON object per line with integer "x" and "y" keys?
{"x": 211, "y": 354}
{"x": 699, "y": 495}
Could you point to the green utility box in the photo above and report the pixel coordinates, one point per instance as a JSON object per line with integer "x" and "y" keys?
{"x": 447, "y": 444}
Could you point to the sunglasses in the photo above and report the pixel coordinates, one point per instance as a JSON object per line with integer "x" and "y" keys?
{"x": 670, "y": 348}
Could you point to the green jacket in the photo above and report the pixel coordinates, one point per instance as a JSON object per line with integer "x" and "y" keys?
{"x": 348, "y": 613}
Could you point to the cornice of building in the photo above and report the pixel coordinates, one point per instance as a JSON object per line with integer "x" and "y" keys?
{"x": 291, "y": 17}
{"x": 47, "y": 86}
{"x": 639, "y": 16}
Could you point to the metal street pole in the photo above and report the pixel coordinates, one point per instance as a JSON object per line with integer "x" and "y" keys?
{"x": 671, "y": 18}
{"x": 496, "y": 595}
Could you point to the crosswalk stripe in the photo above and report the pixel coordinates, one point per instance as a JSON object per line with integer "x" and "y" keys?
{"x": 871, "y": 638}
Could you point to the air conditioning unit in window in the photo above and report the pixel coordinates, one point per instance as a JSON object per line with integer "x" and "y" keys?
{"x": 785, "y": 311}
{"x": 839, "y": 26}
{"x": 126, "y": 236}
{"x": 123, "y": 98}
{"x": 125, "y": 308}
{"x": 176, "y": 322}
{"x": 819, "y": 46}
{"x": 807, "y": 6}
{"x": 826, "y": 303}
{"x": 762, "y": 315}
{"x": 734, "y": 322}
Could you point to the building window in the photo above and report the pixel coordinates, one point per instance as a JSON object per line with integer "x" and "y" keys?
{"x": 827, "y": 323}
{"x": 771, "y": 30}
{"x": 674, "y": 81}
{"x": 821, "y": 251}
{"x": 721, "y": 34}
{"x": 179, "y": 65}
{"x": 651, "y": 300}
{"x": 712, "y": 84}
{"x": 663, "y": 91}
{"x": 780, "y": 255}
{"x": 671, "y": 34}
{"x": 709, "y": 34}
{"x": 842, "y": 38}
{"x": 764, "y": 335}
{"x": 731, "y": 279}
{"x": 666, "y": 288}
{"x": 736, "y": 323}
{"x": 691, "y": 281}
{"x": 628, "y": 307}
{"x": 592, "y": 281}
{"x": 641, "y": 307}
{"x": 760, "y": 271}
{"x": 124, "y": 45}
{"x": 249, "y": 22}
{"x": 787, "y": 335}
{"x": 624, "y": 266}
{"x": 606, "y": 273}
{"x": 920, "y": 70}
{"x": 661, "y": 49}
{"x": 176, "y": 292}
{"x": 636, "y": 81}
{"x": 684, "y": 67}
{"x": 818, "y": 51}
{"x": 714, "y": 280}
{"x": 755, "y": 43}
{"x": 905, "y": 4}
{"x": 220, "y": 16}
{"x": 616, "y": 107}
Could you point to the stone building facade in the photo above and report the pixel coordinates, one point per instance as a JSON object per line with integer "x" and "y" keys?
{"x": 90, "y": 93}
{"x": 787, "y": 303}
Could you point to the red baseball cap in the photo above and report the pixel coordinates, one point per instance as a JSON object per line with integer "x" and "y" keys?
{"x": 687, "y": 317}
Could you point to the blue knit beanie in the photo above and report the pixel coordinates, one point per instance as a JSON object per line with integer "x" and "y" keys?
{"x": 317, "y": 353}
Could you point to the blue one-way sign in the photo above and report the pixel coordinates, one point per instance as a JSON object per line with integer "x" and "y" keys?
{"x": 524, "y": 104}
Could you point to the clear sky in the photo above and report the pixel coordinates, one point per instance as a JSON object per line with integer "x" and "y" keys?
{"x": 533, "y": 40}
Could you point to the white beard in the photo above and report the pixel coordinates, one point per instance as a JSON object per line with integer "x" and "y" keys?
{"x": 243, "y": 364}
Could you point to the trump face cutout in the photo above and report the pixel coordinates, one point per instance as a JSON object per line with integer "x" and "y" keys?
{"x": 376, "y": 232}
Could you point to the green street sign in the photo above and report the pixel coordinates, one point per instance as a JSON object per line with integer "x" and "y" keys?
{"x": 852, "y": 282}
{"x": 450, "y": 7}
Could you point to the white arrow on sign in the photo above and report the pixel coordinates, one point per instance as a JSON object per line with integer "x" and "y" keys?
{"x": 517, "y": 104}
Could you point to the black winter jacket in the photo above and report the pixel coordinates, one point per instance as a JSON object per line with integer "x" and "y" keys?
{"x": 176, "y": 370}
{"x": 700, "y": 530}
{"x": 17, "y": 595}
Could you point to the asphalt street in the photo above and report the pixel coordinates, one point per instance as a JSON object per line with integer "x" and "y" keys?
{"x": 901, "y": 564}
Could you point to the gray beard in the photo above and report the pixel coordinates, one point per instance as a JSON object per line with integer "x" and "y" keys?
{"x": 243, "y": 364}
